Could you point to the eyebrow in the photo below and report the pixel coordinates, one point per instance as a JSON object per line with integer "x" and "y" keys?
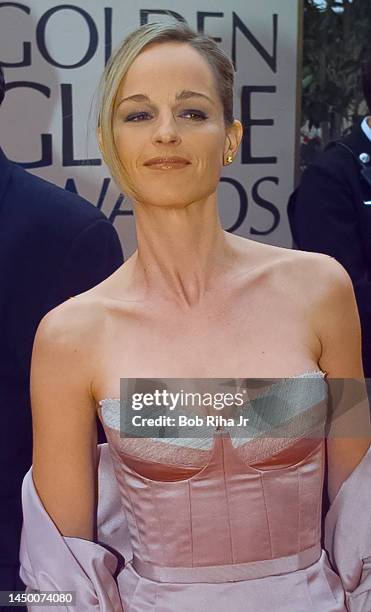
{"x": 183, "y": 95}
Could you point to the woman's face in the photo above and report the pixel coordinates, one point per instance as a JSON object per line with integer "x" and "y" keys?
{"x": 169, "y": 129}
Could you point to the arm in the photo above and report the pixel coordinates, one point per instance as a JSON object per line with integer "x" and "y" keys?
{"x": 63, "y": 415}
{"x": 94, "y": 254}
{"x": 325, "y": 220}
{"x": 338, "y": 329}
{"x": 60, "y": 493}
{"x": 347, "y": 532}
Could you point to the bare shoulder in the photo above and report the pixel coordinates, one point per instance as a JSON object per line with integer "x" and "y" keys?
{"x": 325, "y": 284}
{"x": 72, "y": 321}
{"x": 303, "y": 276}
{"x": 68, "y": 337}
{"x": 317, "y": 285}
{"x": 314, "y": 275}
{"x": 317, "y": 275}
{"x": 326, "y": 270}
{"x": 333, "y": 314}
{"x": 321, "y": 286}
{"x": 321, "y": 275}
{"x": 64, "y": 416}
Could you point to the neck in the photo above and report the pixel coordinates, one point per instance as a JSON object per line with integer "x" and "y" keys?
{"x": 181, "y": 251}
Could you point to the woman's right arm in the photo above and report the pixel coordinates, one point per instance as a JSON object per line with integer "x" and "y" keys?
{"x": 60, "y": 550}
{"x": 64, "y": 420}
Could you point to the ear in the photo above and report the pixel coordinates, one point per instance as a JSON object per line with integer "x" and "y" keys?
{"x": 233, "y": 139}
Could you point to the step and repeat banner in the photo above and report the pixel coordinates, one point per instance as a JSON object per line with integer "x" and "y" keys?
{"x": 53, "y": 55}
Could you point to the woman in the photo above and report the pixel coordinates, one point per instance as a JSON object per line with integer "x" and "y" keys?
{"x": 215, "y": 524}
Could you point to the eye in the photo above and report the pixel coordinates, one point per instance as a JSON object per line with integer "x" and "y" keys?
{"x": 137, "y": 117}
{"x": 196, "y": 115}
{"x": 193, "y": 114}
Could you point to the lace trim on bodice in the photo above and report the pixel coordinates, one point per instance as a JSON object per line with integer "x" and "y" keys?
{"x": 301, "y": 416}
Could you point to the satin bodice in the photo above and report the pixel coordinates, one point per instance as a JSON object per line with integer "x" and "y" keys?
{"x": 227, "y": 497}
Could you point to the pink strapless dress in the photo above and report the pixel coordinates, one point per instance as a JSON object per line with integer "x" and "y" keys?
{"x": 219, "y": 522}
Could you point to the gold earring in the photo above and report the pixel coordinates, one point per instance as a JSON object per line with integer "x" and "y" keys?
{"x": 229, "y": 159}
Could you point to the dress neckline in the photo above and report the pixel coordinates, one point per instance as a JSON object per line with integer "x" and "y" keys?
{"x": 307, "y": 373}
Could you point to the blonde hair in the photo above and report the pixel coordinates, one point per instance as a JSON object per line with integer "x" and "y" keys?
{"x": 120, "y": 62}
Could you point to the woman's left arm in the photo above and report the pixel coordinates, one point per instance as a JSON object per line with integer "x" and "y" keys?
{"x": 347, "y": 528}
{"x": 338, "y": 329}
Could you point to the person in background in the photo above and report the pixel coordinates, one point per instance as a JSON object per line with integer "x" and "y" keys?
{"x": 53, "y": 245}
{"x": 330, "y": 212}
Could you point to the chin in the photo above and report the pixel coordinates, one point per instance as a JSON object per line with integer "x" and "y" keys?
{"x": 169, "y": 202}
{"x": 171, "y": 199}
{"x": 175, "y": 198}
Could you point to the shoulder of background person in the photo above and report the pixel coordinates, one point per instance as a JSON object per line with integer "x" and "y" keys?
{"x": 54, "y": 227}
{"x": 343, "y": 154}
{"x": 357, "y": 141}
{"x": 43, "y": 203}
{"x": 336, "y": 166}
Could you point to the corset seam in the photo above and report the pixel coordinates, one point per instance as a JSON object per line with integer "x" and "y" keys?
{"x": 133, "y": 514}
{"x": 227, "y": 498}
{"x": 321, "y": 483}
{"x": 298, "y": 482}
{"x": 267, "y": 515}
{"x": 159, "y": 520}
{"x": 190, "y": 521}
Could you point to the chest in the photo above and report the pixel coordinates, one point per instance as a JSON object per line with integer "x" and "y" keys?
{"x": 235, "y": 340}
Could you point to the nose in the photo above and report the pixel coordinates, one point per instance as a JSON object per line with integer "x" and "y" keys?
{"x": 166, "y": 131}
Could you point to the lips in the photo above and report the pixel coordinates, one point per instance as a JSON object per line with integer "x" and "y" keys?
{"x": 167, "y": 163}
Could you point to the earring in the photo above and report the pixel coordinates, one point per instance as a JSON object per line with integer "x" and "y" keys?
{"x": 229, "y": 159}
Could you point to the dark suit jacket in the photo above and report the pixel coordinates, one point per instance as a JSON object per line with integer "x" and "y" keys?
{"x": 328, "y": 215}
{"x": 53, "y": 245}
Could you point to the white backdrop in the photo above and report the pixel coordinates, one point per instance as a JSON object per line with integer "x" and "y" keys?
{"x": 53, "y": 55}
